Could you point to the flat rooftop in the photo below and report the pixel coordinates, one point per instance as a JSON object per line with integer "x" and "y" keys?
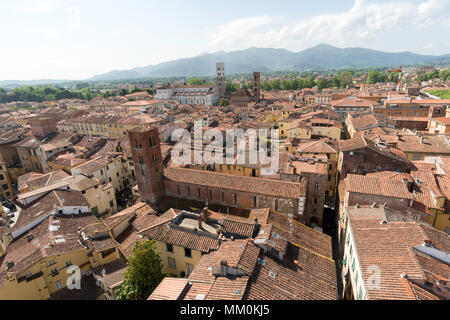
{"x": 189, "y": 221}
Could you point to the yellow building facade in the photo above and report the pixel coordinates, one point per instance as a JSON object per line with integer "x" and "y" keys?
{"x": 331, "y": 132}
{"x": 49, "y": 275}
{"x": 175, "y": 261}
{"x": 298, "y": 132}
{"x": 5, "y": 182}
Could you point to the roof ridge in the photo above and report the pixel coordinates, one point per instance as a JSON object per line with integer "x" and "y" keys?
{"x": 298, "y": 222}
{"x": 242, "y": 255}
{"x": 57, "y": 197}
{"x": 234, "y": 176}
{"x": 155, "y": 225}
{"x": 310, "y": 250}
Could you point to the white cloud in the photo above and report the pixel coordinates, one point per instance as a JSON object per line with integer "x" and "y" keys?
{"x": 242, "y": 30}
{"x": 365, "y": 21}
{"x": 430, "y": 45}
{"x": 434, "y": 11}
{"x": 38, "y": 6}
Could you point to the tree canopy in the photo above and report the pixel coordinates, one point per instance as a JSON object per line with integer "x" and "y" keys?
{"x": 144, "y": 272}
{"x": 376, "y": 76}
{"x": 49, "y": 93}
{"x": 444, "y": 75}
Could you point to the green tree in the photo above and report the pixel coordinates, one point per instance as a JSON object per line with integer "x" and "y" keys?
{"x": 345, "y": 79}
{"x": 310, "y": 83}
{"x": 286, "y": 85}
{"x": 195, "y": 81}
{"x": 265, "y": 85}
{"x": 275, "y": 84}
{"x": 224, "y": 102}
{"x": 82, "y": 85}
{"x": 335, "y": 82}
{"x": 376, "y": 76}
{"x": 144, "y": 272}
{"x": 422, "y": 77}
{"x": 433, "y": 74}
{"x": 393, "y": 77}
{"x": 87, "y": 94}
{"x": 230, "y": 87}
{"x": 444, "y": 75}
{"x": 322, "y": 83}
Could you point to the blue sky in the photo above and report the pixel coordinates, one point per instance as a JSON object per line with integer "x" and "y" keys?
{"x": 76, "y": 39}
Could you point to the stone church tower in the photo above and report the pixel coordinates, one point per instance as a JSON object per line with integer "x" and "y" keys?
{"x": 220, "y": 81}
{"x": 148, "y": 163}
{"x": 257, "y": 86}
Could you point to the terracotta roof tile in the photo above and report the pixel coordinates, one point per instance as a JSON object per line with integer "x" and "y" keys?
{"x": 269, "y": 187}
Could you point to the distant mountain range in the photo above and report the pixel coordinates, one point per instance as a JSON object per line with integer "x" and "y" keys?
{"x": 11, "y": 84}
{"x": 319, "y": 57}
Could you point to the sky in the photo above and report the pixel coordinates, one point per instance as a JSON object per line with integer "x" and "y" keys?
{"x": 77, "y": 39}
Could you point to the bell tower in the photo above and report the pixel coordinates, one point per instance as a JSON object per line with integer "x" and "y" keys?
{"x": 148, "y": 163}
{"x": 220, "y": 80}
{"x": 257, "y": 86}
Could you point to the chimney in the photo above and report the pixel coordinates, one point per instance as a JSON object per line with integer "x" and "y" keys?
{"x": 427, "y": 243}
{"x": 80, "y": 237}
{"x": 374, "y": 205}
{"x": 200, "y": 226}
{"x": 421, "y": 140}
{"x": 205, "y": 214}
{"x": 294, "y": 171}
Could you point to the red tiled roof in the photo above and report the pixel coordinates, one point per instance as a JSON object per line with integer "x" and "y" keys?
{"x": 269, "y": 187}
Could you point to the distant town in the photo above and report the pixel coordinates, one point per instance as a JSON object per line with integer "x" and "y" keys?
{"x": 315, "y": 185}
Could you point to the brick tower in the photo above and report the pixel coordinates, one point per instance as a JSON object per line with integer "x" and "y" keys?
{"x": 148, "y": 166}
{"x": 257, "y": 85}
{"x": 220, "y": 73}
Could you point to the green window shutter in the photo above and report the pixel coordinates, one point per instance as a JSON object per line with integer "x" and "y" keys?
{"x": 344, "y": 262}
{"x": 353, "y": 265}
{"x": 360, "y": 294}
